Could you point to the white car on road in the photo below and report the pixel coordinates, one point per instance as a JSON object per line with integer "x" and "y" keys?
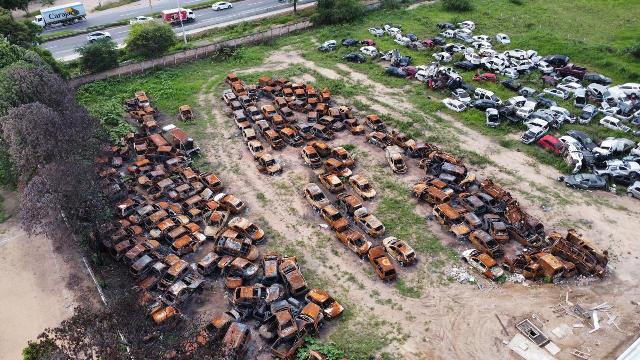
{"x": 455, "y": 105}
{"x": 221, "y": 6}
{"x": 140, "y": 20}
{"x": 97, "y": 35}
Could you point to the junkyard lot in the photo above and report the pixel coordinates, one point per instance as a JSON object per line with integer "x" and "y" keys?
{"x": 451, "y": 321}
{"x": 530, "y": 187}
{"x": 277, "y": 205}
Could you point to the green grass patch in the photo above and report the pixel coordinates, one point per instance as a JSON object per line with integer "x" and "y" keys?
{"x": 396, "y": 211}
{"x": 59, "y": 34}
{"x": 406, "y": 290}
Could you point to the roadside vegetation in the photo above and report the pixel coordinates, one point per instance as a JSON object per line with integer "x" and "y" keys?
{"x": 114, "y": 4}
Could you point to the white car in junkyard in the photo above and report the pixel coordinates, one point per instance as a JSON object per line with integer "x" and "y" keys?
{"x": 467, "y": 24}
{"x": 614, "y": 123}
{"x": 503, "y": 38}
{"x": 484, "y": 38}
{"x": 455, "y": 105}
{"x": 442, "y": 56}
{"x": 376, "y": 31}
{"x": 369, "y": 51}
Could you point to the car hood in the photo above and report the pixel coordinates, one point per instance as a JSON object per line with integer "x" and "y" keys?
{"x": 333, "y": 310}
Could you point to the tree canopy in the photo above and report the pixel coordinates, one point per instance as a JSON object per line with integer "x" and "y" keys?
{"x": 150, "y": 39}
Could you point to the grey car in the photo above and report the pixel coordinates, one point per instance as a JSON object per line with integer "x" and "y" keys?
{"x": 585, "y": 181}
{"x": 634, "y": 190}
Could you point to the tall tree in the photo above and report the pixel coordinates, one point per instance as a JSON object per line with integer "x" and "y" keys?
{"x": 22, "y": 33}
{"x": 23, "y": 83}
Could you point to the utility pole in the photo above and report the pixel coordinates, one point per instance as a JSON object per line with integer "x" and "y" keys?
{"x": 184, "y": 35}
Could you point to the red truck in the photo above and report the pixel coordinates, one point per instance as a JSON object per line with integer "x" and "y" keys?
{"x": 173, "y": 16}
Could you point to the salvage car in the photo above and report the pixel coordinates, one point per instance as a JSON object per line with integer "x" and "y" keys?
{"x": 310, "y": 157}
{"x": 354, "y": 57}
{"x": 292, "y": 276}
{"x": 399, "y": 250}
{"x": 370, "y": 51}
{"x": 334, "y": 218}
{"x": 369, "y": 223}
{"x": 562, "y": 94}
{"x": 585, "y": 181}
{"x": 328, "y": 45}
{"x": 315, "y": 197}
{"x": 382, "y": 264}
{"x": 395, "y": 71}
{"x": 354, "y": 240}
{"x": 331, "y": 308}
{"x": 362, "y": 187}
{"x": 455, "y": 105}
{"x": 532, "y": 135}
{"x": 483, "y": 263}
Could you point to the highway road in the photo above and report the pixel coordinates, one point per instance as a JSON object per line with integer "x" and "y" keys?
{"x": 65, "y": 48}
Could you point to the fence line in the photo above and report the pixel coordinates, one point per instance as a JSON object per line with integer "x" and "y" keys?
{"x": 190, "y": 54}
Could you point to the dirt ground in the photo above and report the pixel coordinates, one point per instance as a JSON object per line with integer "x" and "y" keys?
{"x": 448, "y": 321}
{"x": 34, "y": 284}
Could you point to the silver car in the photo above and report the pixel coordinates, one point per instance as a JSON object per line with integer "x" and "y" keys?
{"x": 634, "y": 190}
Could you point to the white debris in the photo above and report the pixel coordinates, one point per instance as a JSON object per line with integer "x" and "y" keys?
{"x": 461, "y": 275}
{"x": 578, "y": 325}
{"x": 516, "y": 278}
{"x": 596, "y": 322}
{"x": 324, "y": 226}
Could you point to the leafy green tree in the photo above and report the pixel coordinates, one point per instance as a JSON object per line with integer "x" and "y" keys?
{"x": 22, "y": 33}
{"x": 15, "y": 4}
{"x": 151, "y": 39}
{"x": 99, "y": 55}
{"x": 338, "y": 11}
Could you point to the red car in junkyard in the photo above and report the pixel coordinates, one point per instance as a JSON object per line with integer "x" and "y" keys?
{"x": 550, "y": 142}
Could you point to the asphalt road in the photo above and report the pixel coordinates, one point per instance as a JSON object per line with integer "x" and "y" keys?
{"x": 66, "y": 48}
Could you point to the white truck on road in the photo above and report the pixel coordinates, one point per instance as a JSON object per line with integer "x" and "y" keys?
{"x": 62, "y": 14}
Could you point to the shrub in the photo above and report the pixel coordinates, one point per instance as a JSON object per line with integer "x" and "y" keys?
{"x": 99, "y": 56}
{"x": 337, "y": 11}
{"x": 517, "y": 2}
{"x": 634, "y": 50}
{"x": 457, "y": 5}
{"x": 390, "y": 4}
{"x": 150, "y": 39}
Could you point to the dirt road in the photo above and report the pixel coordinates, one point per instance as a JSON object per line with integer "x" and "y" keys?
{"x": 33, "y": 285}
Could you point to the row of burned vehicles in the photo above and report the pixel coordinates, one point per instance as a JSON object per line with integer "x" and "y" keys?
{"x": 487, "y": 216}
{"x": 176, "y": 229}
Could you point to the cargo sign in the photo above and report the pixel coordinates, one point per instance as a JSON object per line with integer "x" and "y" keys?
{"x": 68, "y": 12}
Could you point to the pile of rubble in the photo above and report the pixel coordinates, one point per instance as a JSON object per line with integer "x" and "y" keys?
{"x": 177, "y": 230}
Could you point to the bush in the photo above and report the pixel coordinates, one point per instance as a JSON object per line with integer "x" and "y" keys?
{"x": 150, "y": 39}
{"x": 457, "y": 5}
{"x": 390, "y": 4}
{"x": 337, "y": 11}
{"x": 99, "y": 56}
{"x": 634, "y": 50}
{"x": 517, "y": 2}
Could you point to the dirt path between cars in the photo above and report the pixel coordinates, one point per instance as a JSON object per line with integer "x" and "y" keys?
{"x": 455, "y": 321}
